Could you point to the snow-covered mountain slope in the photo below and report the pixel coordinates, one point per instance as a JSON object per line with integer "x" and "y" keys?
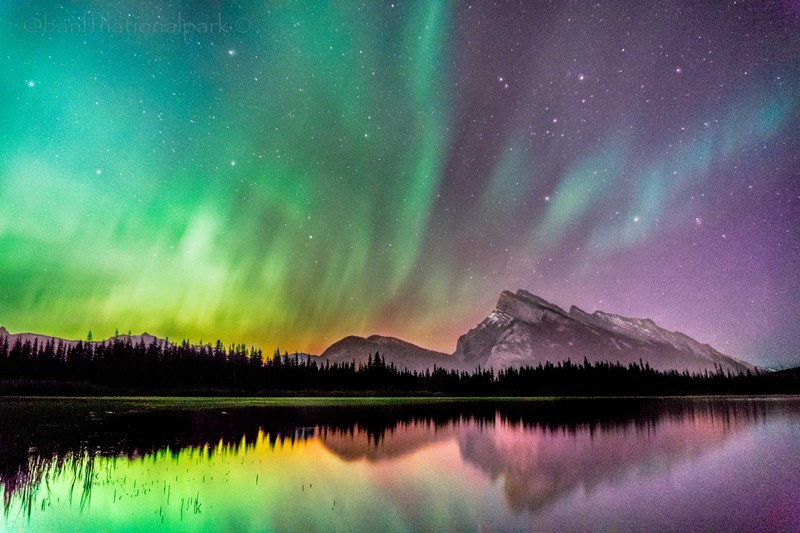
{"x": 525, "y": 329}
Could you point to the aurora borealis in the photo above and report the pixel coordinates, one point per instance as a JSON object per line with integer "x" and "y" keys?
{"x": 304, "y": 171}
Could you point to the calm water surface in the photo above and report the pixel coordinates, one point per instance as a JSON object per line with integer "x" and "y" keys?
{"x": 394, "y": 465}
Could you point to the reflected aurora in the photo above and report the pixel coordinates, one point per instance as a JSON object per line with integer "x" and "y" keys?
{"x": 388, "y": 465}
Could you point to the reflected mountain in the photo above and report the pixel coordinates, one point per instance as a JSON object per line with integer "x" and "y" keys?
{"x": 540, "y": 465}
{"x": 545, "y": 451}
{"x": 541, "y": 449}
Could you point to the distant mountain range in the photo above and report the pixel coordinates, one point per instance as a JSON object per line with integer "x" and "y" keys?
{"x": 525, "y": 330}
{"x": 44, "y": 339}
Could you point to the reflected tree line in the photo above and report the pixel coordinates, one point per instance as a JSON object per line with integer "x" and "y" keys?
{"x": 43, "y": 438}
{"x": 122, "y": 366}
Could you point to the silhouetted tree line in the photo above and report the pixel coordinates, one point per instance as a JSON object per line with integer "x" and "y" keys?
{"x": 122, "y": 365}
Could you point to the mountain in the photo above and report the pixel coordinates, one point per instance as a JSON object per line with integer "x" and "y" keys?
{"x": 44, "y": 339}
{"x": 522, "y": 330}
{"x": 393, "y": 351}
{"x": 525, "y": 329}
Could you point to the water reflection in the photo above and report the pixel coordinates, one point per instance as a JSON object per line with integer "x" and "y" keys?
{"x": 141, "y": 465}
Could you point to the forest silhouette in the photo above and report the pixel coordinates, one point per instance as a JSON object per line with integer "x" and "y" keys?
{"x": 121, "y": 366}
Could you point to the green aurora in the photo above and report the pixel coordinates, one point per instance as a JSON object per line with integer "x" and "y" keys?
{"x": 227, "y": 190}
{"x": 305, "y": 171}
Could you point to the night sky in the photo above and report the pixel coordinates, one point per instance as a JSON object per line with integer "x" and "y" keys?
{"x": 291, "y": 173}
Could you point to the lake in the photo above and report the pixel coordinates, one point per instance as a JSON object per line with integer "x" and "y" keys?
{"x": 165, "y": 464}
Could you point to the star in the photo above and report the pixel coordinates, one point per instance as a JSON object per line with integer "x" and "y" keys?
{"x": 430, "y": 158}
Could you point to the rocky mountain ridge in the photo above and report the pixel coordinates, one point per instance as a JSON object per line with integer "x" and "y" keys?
{"x": 522, "y": 330}
{"x": 525, "y": 330}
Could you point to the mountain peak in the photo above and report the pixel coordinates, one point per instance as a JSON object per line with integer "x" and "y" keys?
{"x": 526, "y": 330}
{"x": 528, "y": 307}
{"x": 392, "y": 350}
